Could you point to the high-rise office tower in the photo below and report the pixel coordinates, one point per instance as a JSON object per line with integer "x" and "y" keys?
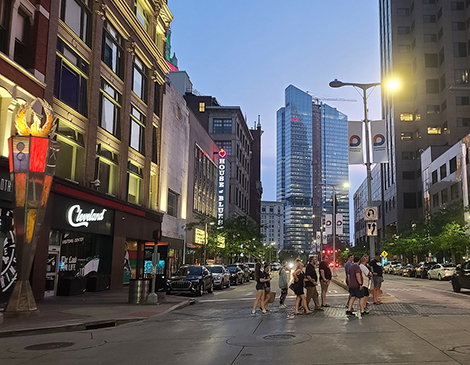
{"x": 304, "y": 160}
{"x": 424, "y": 46}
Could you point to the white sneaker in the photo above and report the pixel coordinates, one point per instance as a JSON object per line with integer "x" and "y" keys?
{"x": 253, "y": 312}
{"x": 265, "y": 312}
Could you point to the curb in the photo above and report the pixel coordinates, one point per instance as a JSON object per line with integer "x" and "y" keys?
{"x": 83, "y": 326}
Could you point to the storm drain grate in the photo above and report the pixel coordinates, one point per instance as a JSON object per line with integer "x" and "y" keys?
{"x": 49, "y": 346}
{"x": 281, "y": 336}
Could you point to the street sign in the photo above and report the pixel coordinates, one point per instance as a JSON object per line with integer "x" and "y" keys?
{"x": 371, "y": 214}
{"x": 384, "y": 260}
{"x": 372, "y": 229}
{"x": 384, "y": 253}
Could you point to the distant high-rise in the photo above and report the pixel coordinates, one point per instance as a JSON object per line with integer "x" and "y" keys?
{"x": 311, "y": 149}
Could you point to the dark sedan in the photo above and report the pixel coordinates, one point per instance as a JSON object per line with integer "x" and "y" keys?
{"x": 461, "y": 278}
{"x": 191, "y": 279}
{"x": 246, "y": 271}
{"x": 409, "y": 270}
{"x": 237, "y": 275}
{"x": 423, "y": 268}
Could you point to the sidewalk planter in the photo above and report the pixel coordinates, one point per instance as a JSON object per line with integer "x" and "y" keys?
{"x": 98, "y": 283}
{"x": 71, "y": 285}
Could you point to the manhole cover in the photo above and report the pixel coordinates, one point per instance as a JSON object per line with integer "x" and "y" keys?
{"x": 282, "y": 336}
{"x": 49, "y": 346}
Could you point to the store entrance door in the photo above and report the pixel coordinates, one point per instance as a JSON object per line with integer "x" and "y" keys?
{"x": 51, "y": 270}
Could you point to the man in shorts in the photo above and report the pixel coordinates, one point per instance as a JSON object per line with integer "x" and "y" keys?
{"x": 356, "y": 290}
{"x": 377, "y": 277}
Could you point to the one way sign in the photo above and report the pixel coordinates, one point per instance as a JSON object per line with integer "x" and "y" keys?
{"x": 371, "y": 228}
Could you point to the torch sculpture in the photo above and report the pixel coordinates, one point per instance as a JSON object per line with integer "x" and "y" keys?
{"x": 32, "y": 155}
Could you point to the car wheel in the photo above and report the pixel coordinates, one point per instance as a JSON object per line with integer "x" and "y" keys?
{"x": 439, "y": 277}
{"x": 455, "y": 286}
{"x": 429, "y": 276}
{"x": 211, "y": 287}
{"x": 200, "y": 290}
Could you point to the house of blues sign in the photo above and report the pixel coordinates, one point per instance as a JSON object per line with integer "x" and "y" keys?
{"x": 221, "y": 187}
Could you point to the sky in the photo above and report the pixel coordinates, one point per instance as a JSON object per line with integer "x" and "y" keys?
{"x": 246, "y": 52}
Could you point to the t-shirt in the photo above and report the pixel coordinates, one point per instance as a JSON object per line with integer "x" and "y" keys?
{"x": 310, "y": 271}
{"x": 266, "y": 283}
{"x": 365, "y": 274}
{"x": 353, "y": 270}
{"x": 347, "y": 265}
{"x": 324, "y": 266}
{"x": 377, "y": 267}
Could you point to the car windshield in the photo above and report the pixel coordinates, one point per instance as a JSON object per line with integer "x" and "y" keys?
{"x": 216, "y": 269}
{"x": 448, "y": 265}
{"x": 232, "y": 268}
{"x": 191, "y": 270}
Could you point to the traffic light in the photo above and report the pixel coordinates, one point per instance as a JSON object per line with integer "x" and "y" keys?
{"x": 6, "y": 224}
{"x": 328, "y": 251}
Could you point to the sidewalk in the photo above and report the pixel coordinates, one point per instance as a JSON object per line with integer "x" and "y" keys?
{"x": 87, "y": 311}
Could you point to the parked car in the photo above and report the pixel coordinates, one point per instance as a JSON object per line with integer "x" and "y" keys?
{"x": 409, "y": 270}
{"x": 251, "y": 266}
{"x": 389, "y": 266}
{"x": 191, "y": 279}
{"x": 398, "y": 268}
{"x": 461, "y": 277}
{"x": 275, "y": 266}
{"x": 423, "y": 268}
{"x": 221, "y": 276}
{"x": 246, "y": 272}
{"x": 236, "y": 274}
{"x": 441, "y": 271}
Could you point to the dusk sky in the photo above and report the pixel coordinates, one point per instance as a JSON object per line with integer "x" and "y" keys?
{"x": 245, "y": 53}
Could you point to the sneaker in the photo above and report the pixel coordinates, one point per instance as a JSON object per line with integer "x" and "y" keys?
{"x": 253, "y": 312}
{"x": 364, "y": 313}
{"x": 349, "y": 313}
{"x": 319, "y": 309}
{"x": 265, "y": 311}
{"x": 367, "y": 310}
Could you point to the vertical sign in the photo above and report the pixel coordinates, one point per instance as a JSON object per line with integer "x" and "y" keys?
{"x": 355, "y": 143}
{"x": 379, "y": 145}
{"x": 221, "y": 187}
{"x": 328, "y": 224}
{"x": 339, "y": 224}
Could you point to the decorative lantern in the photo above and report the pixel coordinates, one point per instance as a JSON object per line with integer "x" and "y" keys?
{"x": 32, "y": 156}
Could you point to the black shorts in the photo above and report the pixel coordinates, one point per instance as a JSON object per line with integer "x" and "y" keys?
{"x": 366, "y": 291}
{"x": 356, "y": 292}
{"x": 260, "y": 286}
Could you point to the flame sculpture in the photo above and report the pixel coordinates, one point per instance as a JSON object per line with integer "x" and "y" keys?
{"x": 32, "y": 157}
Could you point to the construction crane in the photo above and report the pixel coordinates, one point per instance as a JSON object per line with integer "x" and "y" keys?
{"x": 317, "y": 99}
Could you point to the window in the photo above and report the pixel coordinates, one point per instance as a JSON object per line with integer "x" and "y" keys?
{"x": 226, "y": 145}
{"x": 406, "y": 136}
{"x": 453, "y": 165}
{"x": 408, "y": 175}
{"x": 444, "y": 105}
{"x": 435, "y": 200}
{"x": 70, "y": 82}
{"x": 139, "y": 84}
{"x": 21, "y": 39}
{"x": 403, "y": 11}
{"x": 137, "y": 130}
{"x": 441, "y": 56}
{"x": 442, "y": 84}
{"x": 110, "y": 109}
{"x": 404, "y": 49}
{"x": 202, "y": 107}
{"x": 460, "y": 49}
{"x": 463, "y": 122}
{"x": 434, "y": 130}
{"x": 430, "y": 38}
{"x": 443, "y": 171}
{"x": 429, "y": 18}
{"x": 406, "y": 117}
{"x": 107, "y": 171}
{"x": 429, "y": 1}
{"x": 172, "y": 208}
{"x": 433, "y": 109}
{"x": 403, "y": 30}
{"x": 431, "y": 60}
{"x": 407, "y": 155}
{"x": 112, "y": 53}
{"x": 5, "y": 15}
{"x": 458, "y": 26}
{"x": 454, "y": 191}
{"x": 445, "y": 128}
{"x": 157, "y": 100}
{"x": 155, "y": 148}
{"x": 77, "y": 15}
{"x": 461, "y": 77}
{"x": 432, "y": 86}
{"x": 141, "y": 15}
{"x": 71, "y": 160}
{"x": 409, "y": 200}
{"x": 457, "y": 5}
{"x": 439, "y": 14}
{"x": 434, "y": 177}
{"x": 444, "y": 196}
{"x": 222, "y": 126}
{"x": 462, "y": 100}
{"x": 134, "y": 183}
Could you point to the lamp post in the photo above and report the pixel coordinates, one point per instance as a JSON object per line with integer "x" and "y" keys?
{"x": 364, "y": 88}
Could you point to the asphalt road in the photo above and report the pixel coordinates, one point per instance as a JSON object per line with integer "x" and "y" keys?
{"x": 426, "y": 324}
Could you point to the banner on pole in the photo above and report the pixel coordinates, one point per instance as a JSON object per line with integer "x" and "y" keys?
{"x": 379, "y": 146}
{"x": 328, "y": 223}
{"x": 339, "y": 224}
{"x": 355, "y": 148}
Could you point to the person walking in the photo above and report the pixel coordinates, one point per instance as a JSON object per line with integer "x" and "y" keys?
{"x": 377, "y": 277}
{"x": 267, "y": 285}
{"x": 347, "y": 265}
{"x": 356, "y": 289}
{"x": 283, "y": 285}
{"x": 260, "y": 285}
{"x": 311, "y": 282}
{"x": 325, "y": 278}
{"x": 299, "y": 283}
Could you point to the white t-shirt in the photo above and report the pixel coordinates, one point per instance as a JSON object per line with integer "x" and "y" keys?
{"x": 365, "y": 274}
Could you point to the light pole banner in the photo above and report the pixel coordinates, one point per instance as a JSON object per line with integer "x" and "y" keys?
{"x": 328, "y": 224}
{"x": 355, "y": 143}
{"x": 379, "y": 146}
{"x": 339, "y": 224}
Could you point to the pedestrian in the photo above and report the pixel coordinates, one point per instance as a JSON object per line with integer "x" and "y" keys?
{"x": 267, "y": 285}
{"x": 377, "y": 277}
{"x": 356, "y": 289}
{"x": 366, "y": 274}
{"x": 260, "y": 285}
{"x": 299, "y": 283}
{"x": 325, "y": 278}
{"x": 311, "y": 282}
{"x": 283, "y": 285}
{"x": 347, "y": 265}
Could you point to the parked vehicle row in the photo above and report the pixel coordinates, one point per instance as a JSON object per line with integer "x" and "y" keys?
{"x": 423, "y": 270}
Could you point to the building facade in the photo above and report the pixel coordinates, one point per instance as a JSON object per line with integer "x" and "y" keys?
{"x": 256, "y": 187}
{"x": 272, "y": 224}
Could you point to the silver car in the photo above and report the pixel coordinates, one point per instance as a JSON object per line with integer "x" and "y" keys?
{"x": 441, "y": 271}
{"x": 221, "y": 276}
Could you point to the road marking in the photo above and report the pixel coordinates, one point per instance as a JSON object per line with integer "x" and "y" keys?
{"x": 403, "y": 289}
{"x": 252, "y": 298}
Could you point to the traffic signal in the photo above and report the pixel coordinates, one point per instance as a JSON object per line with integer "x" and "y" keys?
{"x": 6, "y": 224}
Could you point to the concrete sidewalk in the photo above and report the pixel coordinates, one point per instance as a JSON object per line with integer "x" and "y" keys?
{"x": 87, "y": 311}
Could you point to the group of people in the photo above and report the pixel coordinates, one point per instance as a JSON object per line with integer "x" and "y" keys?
{"x": 362, "y": 275}
{"x": 302, "y": 278}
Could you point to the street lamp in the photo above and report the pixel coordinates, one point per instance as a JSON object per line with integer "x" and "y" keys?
{"x": 364, "y": 88}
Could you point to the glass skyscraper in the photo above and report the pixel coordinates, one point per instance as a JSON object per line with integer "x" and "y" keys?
{"x": 297, "y": 154}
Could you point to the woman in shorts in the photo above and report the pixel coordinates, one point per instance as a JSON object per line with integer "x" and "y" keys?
{"x": 299, "y": 284}
{"x": 260, "y": 287}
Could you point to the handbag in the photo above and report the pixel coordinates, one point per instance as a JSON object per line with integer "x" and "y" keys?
{"x": 271, "y": 296}
{"x": 292, "y": 286}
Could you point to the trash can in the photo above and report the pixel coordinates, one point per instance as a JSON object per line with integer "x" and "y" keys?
{"x": 138, "y": 290}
